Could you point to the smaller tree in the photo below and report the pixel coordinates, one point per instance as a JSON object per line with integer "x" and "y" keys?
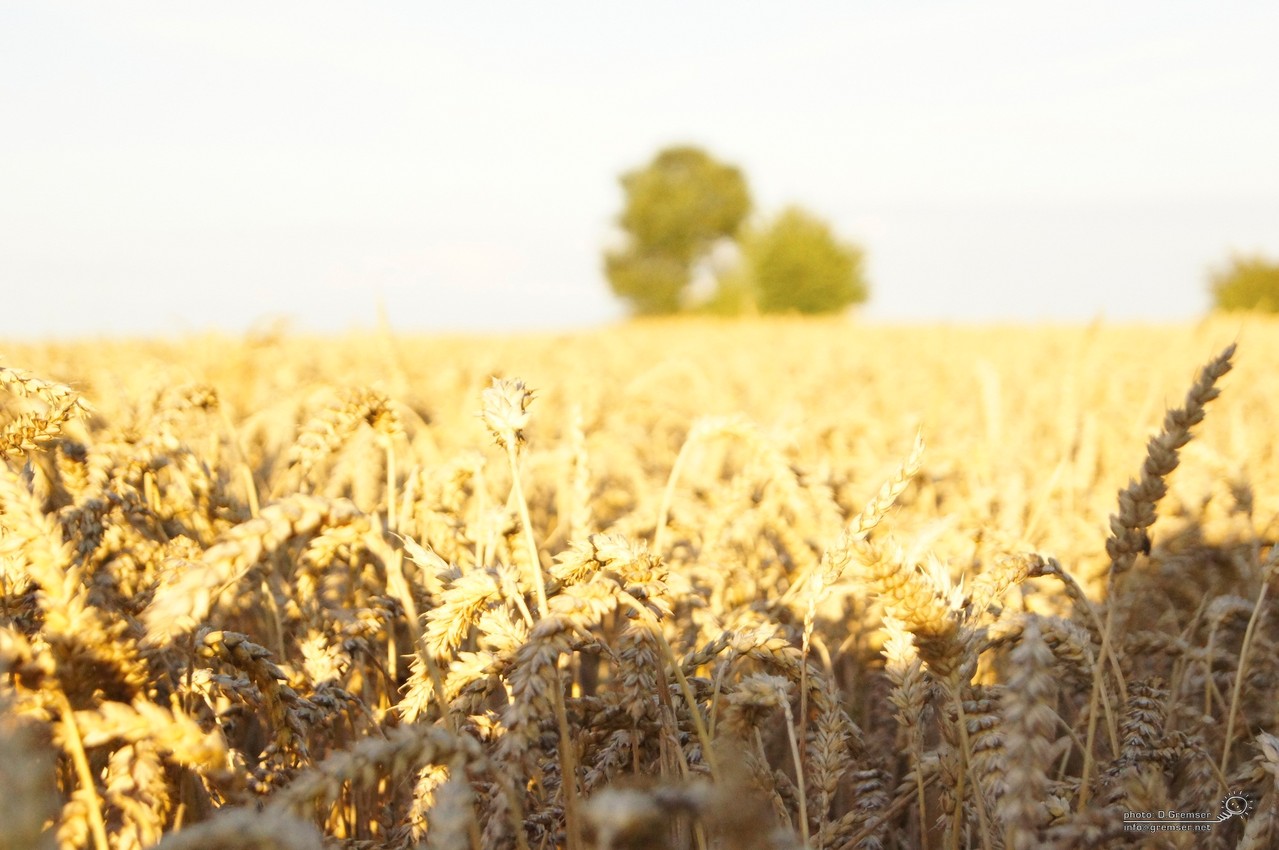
{"x": 795, "y": 263}
{"x": 1246, "y": 283}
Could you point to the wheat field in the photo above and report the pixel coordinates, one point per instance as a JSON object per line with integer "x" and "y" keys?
{"x": 775, "y": 584}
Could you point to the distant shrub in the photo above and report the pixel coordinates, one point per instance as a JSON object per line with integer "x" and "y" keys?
{"x": 796, "y": 264}
{"x": 1246, "y": 283}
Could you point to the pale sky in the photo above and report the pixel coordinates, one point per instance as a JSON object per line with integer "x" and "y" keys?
{"x": 177, "y": 166}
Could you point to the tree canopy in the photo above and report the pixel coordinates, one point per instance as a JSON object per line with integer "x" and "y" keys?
{"x": 1246, "y": 283}
{"x": 795, "y": 263}
{"x": 683, "y": 206}
{"x": 677, "y": 207}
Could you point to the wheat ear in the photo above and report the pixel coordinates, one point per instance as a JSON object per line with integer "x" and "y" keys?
{"x": 1137, "y": 504}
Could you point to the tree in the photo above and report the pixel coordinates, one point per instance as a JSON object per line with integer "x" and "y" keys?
{"x": 796, "y": 264}
{"x": 1246, "y": 283}
{"x": 677, "y": 208}
{"x": 653, "y": 282}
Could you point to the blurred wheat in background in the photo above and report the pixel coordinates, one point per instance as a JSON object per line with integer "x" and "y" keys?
{"x": 769, "y": 584}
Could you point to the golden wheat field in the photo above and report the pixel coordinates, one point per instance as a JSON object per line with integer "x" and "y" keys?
{"x": 775, "y": 584}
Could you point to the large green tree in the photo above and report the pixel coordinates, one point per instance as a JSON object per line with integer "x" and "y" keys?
{"x": 795, "y": 263}
{"x": 1246, "y": 283}
{"x": 677, "y": 208}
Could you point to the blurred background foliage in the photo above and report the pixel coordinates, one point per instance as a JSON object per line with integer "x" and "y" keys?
{"x": 795, "y": 263}
{"x": 677, "y": 208}
{"x": 692, "y": 244}
{"x": 685, "y": 221}
{"x": 1246, "y": 282}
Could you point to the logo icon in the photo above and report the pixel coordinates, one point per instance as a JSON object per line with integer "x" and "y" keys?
{"x": 1235, "y": 805}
